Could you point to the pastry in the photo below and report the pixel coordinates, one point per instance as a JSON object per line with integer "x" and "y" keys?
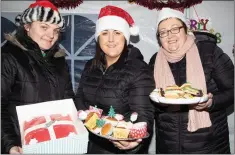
{"x": 90, "y": 121}
{"x": 139, "y": 130}
{"x": 96, "y": 110}
{"x": 40, "y": 129}
{"x": 187, "y": 88}
{"x": 111, "y": 120}
{"x": 173, "y": 92}
{"x": 119, "y": 117}
{"x": 107, "y": 129}
{"x": 82, "y": 115}
{"x": 96, "y": 130}
{"x": 120, "y": 132}
{"x": 134, "y": 116}
{"x": 123, "y": 124}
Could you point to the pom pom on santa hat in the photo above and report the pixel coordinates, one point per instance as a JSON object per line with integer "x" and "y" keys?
{"x": 112, "y": 17}
{"x": 41, "y": 10}
{"x": 171, "y": 13}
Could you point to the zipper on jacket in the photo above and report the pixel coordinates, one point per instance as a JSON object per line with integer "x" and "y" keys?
{"x": 100, "y": 84}
{"x": 179, "y": 123}
{"x": 179, "y": 114}
{"x": 104, "y": 72}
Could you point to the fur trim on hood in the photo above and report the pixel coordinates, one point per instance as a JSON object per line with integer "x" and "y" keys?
{"x": 12, "y": 38}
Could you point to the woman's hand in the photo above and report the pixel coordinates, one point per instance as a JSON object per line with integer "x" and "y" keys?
{"x": 204, "y": 105}
{"x": 126, "y": 145}
{"x": 16, "y": 150}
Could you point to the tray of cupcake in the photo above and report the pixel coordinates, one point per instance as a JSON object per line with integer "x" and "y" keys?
{"x": 113, "y": 126}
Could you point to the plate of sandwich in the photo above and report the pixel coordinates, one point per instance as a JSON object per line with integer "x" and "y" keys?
{"x": 185, "y": 94}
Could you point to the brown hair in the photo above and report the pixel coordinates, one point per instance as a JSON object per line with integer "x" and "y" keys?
{"x": 99, "y": 59}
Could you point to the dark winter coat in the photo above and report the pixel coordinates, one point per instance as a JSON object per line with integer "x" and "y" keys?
{"x": 28, "y": 78}
{"x": 171, "y": 126}
{"x": 126, "y": 86}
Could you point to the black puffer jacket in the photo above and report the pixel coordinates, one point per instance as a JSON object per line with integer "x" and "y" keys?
{"x": 171, "y": 126}
{"x": 27, "y": 78}
{"x": 126, "y": 86}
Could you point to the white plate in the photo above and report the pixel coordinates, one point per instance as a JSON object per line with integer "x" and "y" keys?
{"x": 118, "y": 139}
{"x": 155, "y": 97}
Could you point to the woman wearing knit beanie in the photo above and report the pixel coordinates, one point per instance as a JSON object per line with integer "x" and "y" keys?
{"x": 200, "y": 128}
{"x": 33, "y": 68}
{"x": 117, "y": 77}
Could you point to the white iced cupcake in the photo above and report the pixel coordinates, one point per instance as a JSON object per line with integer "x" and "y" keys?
{"x": 82, "y": 115}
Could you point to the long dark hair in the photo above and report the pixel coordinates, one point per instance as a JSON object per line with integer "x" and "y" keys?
{"x": 99, "y": 59}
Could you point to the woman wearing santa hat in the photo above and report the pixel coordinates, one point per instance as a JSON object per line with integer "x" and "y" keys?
{"x": 33, "y": 68}
{"x": 200, "y": 128}
{"x": 117, "y": 76}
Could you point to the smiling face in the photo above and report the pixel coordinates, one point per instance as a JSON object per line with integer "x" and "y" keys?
{"x": 112, "y": 44}
{"x": 172, "y": 42}
{"x": 43, "y": 33}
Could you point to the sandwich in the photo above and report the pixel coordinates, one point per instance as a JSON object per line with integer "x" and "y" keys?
{"x": 187, "y": 88}
{"x": 173, "y": 92}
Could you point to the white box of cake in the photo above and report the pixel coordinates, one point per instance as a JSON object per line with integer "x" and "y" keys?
{"x": 52, "y": 128}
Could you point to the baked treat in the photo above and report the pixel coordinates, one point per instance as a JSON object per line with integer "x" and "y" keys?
{"x": 124, "y": 124}
{"x": 82, "y": 115}
{"x": 139, "y": 130}
{"x": 187, "y": 96}
{"x": 120, "y": 132}
{"x": 90, "y": 121}
{"x": 173, "y": 92}
{"x": 134, "y": 116}
{"x": 173, "y": 87}
{"x": 63, "y": 130}
{"x": 187, "y": 88}
{"x": 107, "y": 129}
{"x": 119, "y": 117}
{"x": 96, "y": 110}
{"x": 40, "y": 129}
{"x": 111, "y": 120}
{"x": 90, "y": 114}
{"x": 96, "y": 129}
{"x": 185, "y": 85}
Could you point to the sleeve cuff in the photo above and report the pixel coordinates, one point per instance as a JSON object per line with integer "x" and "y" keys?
{"x": 209, "y": 108}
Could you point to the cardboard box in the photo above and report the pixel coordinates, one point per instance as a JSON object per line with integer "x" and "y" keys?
{"x": 68, "y": 145}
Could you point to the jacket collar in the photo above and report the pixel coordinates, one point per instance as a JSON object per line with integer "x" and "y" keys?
{"x": 119, "y": 63}
{"x": 27, "y": 44}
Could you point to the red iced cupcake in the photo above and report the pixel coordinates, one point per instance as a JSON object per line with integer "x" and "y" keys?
{"x": 139, "y": 130}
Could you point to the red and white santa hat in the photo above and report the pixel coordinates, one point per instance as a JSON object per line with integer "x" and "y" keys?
{"x": 112, "y": 17}
{"x": 41, "y": 10}
{"x": 170, "y": 13}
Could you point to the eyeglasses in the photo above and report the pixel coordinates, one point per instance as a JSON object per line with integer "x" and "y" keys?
{"x": 174, "y": 30}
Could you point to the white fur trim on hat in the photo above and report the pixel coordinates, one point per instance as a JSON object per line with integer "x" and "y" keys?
{"x": 134, "y": 30}
{"x": 168, "y": 13}
{"x": 115, "y": 23}
{"x": 39, "y": 13}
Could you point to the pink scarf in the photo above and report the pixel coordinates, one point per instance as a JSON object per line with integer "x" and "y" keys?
{"x": 194, "y": 74}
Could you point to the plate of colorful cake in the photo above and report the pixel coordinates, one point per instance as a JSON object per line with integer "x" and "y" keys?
{"x": 113, "y": 126}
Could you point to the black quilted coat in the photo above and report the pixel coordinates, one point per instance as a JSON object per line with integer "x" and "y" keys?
{"x": 28, "y": 78}
{"x": 126, "y": 86}
{"x": 171, "y": 126}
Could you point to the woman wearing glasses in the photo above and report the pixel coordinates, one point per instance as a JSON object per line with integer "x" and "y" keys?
{"x": 33, "y": 68}
{"x": 199, "y": 128}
